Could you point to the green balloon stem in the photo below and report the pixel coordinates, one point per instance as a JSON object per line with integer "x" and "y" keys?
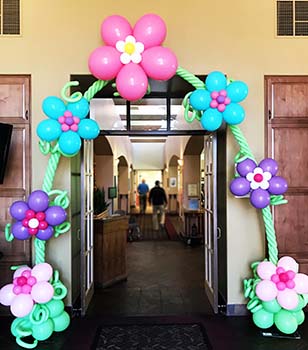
{"x": 270, "y": 235}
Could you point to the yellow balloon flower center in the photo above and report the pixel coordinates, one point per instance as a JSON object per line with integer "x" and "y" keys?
{"x": 129, "y": 48}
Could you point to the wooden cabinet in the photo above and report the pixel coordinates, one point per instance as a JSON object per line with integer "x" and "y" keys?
{"x": 110, "y": 239}
{"x": 15, "y": 110}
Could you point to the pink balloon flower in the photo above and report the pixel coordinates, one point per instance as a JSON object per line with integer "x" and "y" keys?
{"x": 131, "y": 55}
{"x": 282, "y": 282}
{"x": 29, "y": 286}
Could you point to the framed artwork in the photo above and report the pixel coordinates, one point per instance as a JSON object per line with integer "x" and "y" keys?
{"x": 172, "y": 182}
{"x": 192, "y": 190}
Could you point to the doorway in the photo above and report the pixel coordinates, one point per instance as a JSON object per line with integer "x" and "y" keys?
{"x": 124, "y": 120}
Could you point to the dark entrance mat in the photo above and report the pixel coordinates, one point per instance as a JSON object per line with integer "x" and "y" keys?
{"x": 151, "y": 336}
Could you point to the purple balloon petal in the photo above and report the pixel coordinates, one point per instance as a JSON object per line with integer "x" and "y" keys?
{"x": 38, "y": 201}
{"x": 277, "y": 185}
{"x": 240, "y": 186}
{"x": 45, "y": 234}
{"x": 246, "y": 166}
{"x": 270, "y": 165}
{"x": 260, "y": 198}
{"x": 19, "y": 231}
{"x": 55, "y": 215}
{"x": 18, "y": 210}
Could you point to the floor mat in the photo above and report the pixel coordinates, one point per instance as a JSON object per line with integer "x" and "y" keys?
{"x": 155, "y": 336}
{"x": 146, "y": 226}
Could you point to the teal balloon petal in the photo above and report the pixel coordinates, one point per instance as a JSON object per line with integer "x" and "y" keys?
{"x": 200, "y": 99}
{"x": 216, "y": 81}
{"x": 211, "y": 119}
{"x": 88, "y": 129}
{"x": 271, "y": 306}
{"x": 69, "y": 143}
{"x": 234, "y": 114}
{"x": 237, "y": 91}
{"x": 79, "y": 109}
{"x": 49, "y": 130}
{"x": 285, "y": 321}
{"x": 300, "y": 316}
{"x": 263, "y": 319}
{"x": 53, "y": 107}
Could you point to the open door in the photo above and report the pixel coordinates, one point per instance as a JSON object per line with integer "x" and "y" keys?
{"x": 87, "y": 248}
{"x": 210, "y": 217}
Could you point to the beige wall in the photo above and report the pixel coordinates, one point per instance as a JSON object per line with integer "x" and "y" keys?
{"x": 236, "y": 37}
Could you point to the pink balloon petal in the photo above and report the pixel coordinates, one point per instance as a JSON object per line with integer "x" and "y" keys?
{"x": 132, "y": 82}
{"x": 301, "y": 283}
{"x": 104, "y": 62}
{"x": 19, "y": 271}
{"x": 266, "y": 270}
{"x": 266, "y": 290}
{"x": 7, "y": 295}
{"x": 288, "y": 263}
{"x": 151, "y": 30}
{"x": 115, "y": 28}
{"x": 42, "y": 272}
{"x": 288, "y": 299}
{"x": 159, "y": 63}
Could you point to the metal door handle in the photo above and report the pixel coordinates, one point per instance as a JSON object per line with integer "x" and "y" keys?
{"x": 219, "y": 232}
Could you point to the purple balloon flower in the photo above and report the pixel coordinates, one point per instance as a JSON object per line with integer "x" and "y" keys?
{"x": 258, "y": 180}
{"x": 36, "y": 217}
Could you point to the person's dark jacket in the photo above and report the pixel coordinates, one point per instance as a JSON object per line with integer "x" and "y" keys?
{"x": 157, "y": 196}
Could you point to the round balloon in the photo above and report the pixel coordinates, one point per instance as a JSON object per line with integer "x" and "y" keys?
{"x": 21, "y": 305}
{"x": 18, "y": 210}
{"x": 43, "y": 331}
{"x": 104, "y": 62}
{"x": 55, "y": 307}
{"x": 266, "y": 290}
{"x": 288, "y": 299}
{"x": 53, "y": 107}
{"x": 42, "y": 272}
{"x": 285, "y": 321}
{"x": 7, "y": 295}
{"x": 263, "y": 319}
{"x": 200, "y": 99}
{"x": 234, "y": 114}
{"x": 245, "y": 167}
{"x": 270, "y": 165}
{"x": 38, "y": 201}
{"x": 115, "y": 28}
{"x": 19, "y": 231}
{"x": 61, "y": 322}
{"x": 132, "y": 82}
{"x": 211, "y": 119}
{"x": 79, "y": 109}
{"x": 45, "y": 234}
{"x": 271, "y": 306}
{"x": 301, "y": 283}
{"x": 260, "y": 198}
{"x": 266, "y": 269}
{"x": 88, "y": 129}
{"x": 277, "y": 185}
{"x": 55, "y": 215}
{"x": 49, "y": 130}
{"x": 216, "y": 81}
{"x": 300, "y": 316}
{"x": 42, "y": 292}
{"x": 159, "y": 63}
{"x": 69, "y": 143}
{"x": 151, "y": 30}
{"x": 237, "y": 91}
{"x": 288, "y": 263}
{"x": 240, "y": 186}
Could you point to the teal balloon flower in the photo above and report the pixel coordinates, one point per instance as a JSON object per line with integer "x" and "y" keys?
{"x": 67, "y": 124}
{"x": 219, "y": 101}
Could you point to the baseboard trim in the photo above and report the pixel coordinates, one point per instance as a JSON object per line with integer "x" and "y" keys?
{"x": 237, "y": 310}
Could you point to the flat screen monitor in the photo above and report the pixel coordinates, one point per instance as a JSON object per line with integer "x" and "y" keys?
{"x": 112, "y": 192}
{"x": 5, "y": 141}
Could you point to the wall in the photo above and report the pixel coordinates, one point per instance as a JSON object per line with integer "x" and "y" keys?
{"x": 236, "y": 37}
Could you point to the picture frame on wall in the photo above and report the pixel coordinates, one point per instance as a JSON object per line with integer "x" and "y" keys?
{"x": 172, "y": 182}
{"x": 192, "y": 190}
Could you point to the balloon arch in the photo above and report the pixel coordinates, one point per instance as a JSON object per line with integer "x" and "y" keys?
{"x": 277, "y": 292}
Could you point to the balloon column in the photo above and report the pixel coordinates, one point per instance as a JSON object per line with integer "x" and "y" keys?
{"x": 277, "y": 292}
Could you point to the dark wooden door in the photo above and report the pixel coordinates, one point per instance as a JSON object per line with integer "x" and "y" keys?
{"x": 286, "y": 110}
{"x": 14, "y": 109}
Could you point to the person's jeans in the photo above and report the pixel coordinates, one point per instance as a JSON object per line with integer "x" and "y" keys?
{"x": 158, "y": 216}
{"x": 142, "y": 203}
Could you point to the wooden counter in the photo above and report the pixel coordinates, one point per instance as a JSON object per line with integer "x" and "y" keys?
{"x": 110, "y": 239}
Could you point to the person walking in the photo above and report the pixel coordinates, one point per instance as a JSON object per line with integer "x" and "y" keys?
{"x": 158, "y": 199}
{"x": 143, "y": 190}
